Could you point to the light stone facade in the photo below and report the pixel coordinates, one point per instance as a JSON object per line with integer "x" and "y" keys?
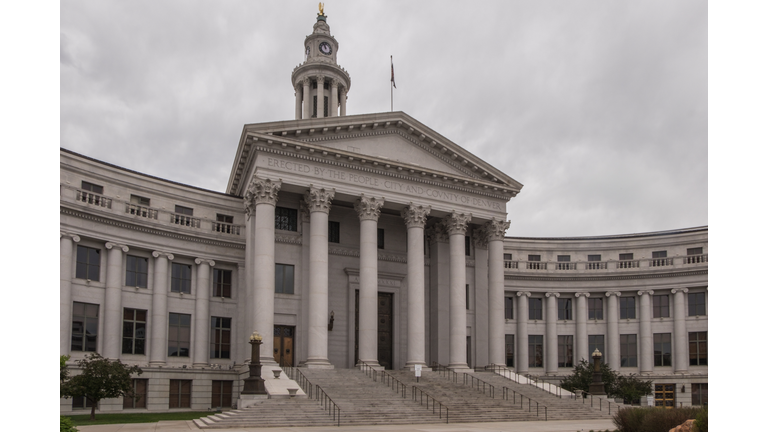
{"x": 325, "y": 217}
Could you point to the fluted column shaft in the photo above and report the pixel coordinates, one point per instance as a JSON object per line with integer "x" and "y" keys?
{"x": 319, "y": 203}
{"x": 113, "y": 295}
{"x": 646, "y": 336}
{"x": 307, "y": 99}
{"x": 202, "y": 312}
{"x": 550, "y": 362}
{"x": 456, "y": 224}
{"x": 680, "y": 332}
{"x": 582, "y": 345}
{"x": 613, "y": 349}
{"x": 496, "y": 341}
{"x": 415, "y": 217}
{"x": 66, "y": 248}
{"x": 521, "y": 361}
{"x": 333, "y": 110}
{"x": 368, "y": 210}
{"x": 344, "y": 102}
{"x": 159, "y": 325}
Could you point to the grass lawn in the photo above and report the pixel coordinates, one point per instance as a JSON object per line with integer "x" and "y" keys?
{"x": 83, "y": 420}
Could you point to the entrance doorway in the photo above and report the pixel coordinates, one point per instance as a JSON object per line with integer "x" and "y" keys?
{"x": 284, "y": 345}
{"x": 665, "y": 395}
{"x": 384, "y": 336}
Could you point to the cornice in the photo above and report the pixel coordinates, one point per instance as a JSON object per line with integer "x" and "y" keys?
{"x": 603, "y": 278}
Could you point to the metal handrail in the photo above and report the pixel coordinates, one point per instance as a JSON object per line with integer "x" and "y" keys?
{"x": 314, "y": 391}
{"x": 505, "y": 395}
{"x": 422, "y": 393}
{"x": 444, "y": 371}
{"x": 474, "y": 379}
{"x": 600, "y": 401}
{"x": 527, "y": 379}
{"x": 395, "y": 384}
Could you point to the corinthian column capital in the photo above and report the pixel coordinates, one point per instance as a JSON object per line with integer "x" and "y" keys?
{"x": 496, "y": 229}
{"x": 319, "y": 199}
{"x": 456, "y": 223}
{"x": 437, "y": 233}
{"x": 368, "y": 208}
{"x": 260, "y": 191}
{"x": 110, "y": 245}
{"x": 480, "y": 237}
{"x": 415, "y": 216}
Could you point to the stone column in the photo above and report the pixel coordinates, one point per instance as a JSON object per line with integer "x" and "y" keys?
{"x": 496, "y": 342}
{"x": 333, "y": 110}
{"x": 113, "y": 304}
{"x": 344, "y": 101}
{"x": 415, "y": 217}
{"x": 439, "y": 289}
{"x": 319, "y": 204}
{"x": 159, "y": 325}
{"x": 550, "y": 362}
{"x": 680, "y": 343}
{"x": 202, "y": 312}
{"x": 646, "y": 335}
{"x": 66, "y": 248}
{"x": 582, "y": 342}
{"x": 320, "y": 96}
{"x": 368, "y": 210}
{"x": 456, "y": 224}
{"x": 260, "y": 201}
{"x": 522, "y": 332}
{"x": 298, "y": 101}
{"x": 613, "y": 348}
{"x": 307, "y": 100}
{"x": 481, "y": 291}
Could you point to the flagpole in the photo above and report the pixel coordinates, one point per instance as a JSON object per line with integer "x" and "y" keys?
{"x": 391, "y": 83}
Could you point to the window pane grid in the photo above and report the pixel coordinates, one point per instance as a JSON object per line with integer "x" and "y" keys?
{"x": 180, "y": 394}
{"x": 565, "y": 351}
{"x": 88, "y": 263}
{"x": 286, "y": 219}
{"x": 85, "y": 326}
{"x": 181, "y": 278}
{"x": 627, "y": 308}
{"x": 662, "y": 349}
{"x": 178, "y": 334}
{"x": 697, "y": 348}
{"x": 696, "y": 304}
{"x": 136, "y": 271}
{"x": 535, "y": 309}
{"x": 595, "y": 308}
{"x": 508, "y": 308}
{"x": 222, "y": 283}
{"x": 134, "y": 331}
{"x": 596, "y": 342}
{"x": 564, "y": 309}
{"x": 220, "y": 337}
{"x": 661, "y": 306}
{"x": 628, "y": 350}
{"x": 535, "y": 351}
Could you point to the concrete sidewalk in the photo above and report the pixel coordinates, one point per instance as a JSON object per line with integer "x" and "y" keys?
{"x": 540, "y": 426}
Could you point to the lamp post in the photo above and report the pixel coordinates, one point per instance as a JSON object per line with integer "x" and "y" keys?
{"x": 597, "y": 387}
{"x": 254, "y": 384}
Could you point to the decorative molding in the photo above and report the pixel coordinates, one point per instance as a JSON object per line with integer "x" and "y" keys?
{"x": 208, "y": 261}
{"x": 456, "y": 223}
{"x": 368, "y": 208}
{"x": 303, "y": 211}
{"x": 524, "y": 293}
{"x": 579, "y": 294}
{"x": 550, "y": 294}
{"x": 415, "y": 216}
{"x": 319, "y": 199}
{"x": 683, "y": 290}
{"x": 342, "y": 251}
{"x": 110, "y": 245}
{"x": 158, "y": 254}
{"x": 260, "y": 191}
{"x": 393, "y": 258}
{"x": 75, "y": 238}
{"x": 613, "y": 293}
{"x": 556, "y": 279}
{"x": 306, "y": 81}
{"x": 496, "y": 229}
{"x": 288, "y": 239}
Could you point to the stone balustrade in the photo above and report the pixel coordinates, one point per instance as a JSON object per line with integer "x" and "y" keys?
{"x": 141, "y": 211}
{"x": 93, "y": 199}
{"x": 651, "y": 264}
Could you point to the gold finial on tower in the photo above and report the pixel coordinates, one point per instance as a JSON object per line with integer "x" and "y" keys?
{"x": 321, "y": 5}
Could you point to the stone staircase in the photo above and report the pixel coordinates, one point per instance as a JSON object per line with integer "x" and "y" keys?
{"x": 296, "y": 412}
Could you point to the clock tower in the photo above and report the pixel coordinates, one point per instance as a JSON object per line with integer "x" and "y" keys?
{"x": 321, "y": 84}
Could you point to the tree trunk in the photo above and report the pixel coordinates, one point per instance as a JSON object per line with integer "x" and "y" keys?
{"x": 93, "y": 410}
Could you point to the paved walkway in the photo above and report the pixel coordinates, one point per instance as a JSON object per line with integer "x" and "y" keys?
{"x": 540, "y": 426}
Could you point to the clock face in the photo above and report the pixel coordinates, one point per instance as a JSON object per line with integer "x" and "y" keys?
{"x": 325, "y": 48}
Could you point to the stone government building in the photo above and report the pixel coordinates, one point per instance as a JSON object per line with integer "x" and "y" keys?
{"x": 349, "y": 237}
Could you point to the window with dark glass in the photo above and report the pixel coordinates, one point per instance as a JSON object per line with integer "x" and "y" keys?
{"x": 697, "y": 348}
{"x": 695, "y": 251}
{"x": 627, "y": 308}
{"x": 507, "y": 257}
{"x": 628, "y": 350}
{"x": 139, "y": 399}
{"x": 334, "y": 232}
{"x": 509, "y": 348}
{"x": 180, "y": 394}
{"x": 139, "y": 200}
{"x": 661, "y": 306}
{"x": 535, "y": 351}
{"x": 595, "y": 308}
{"x": 596, "y": 342}
{"x": 88, "y": 263}
{"x": 699, "y": 394}
{"x": 136, "y": 271}
{"x": 565, "y": 351}
{"x": 82, "y": 402}
{"x": 534, "y": 308}
{"x": 509, "y": 311}
{"x": 90, "y": 187}
{"x": 564, "y": 309}
{"x": 85, "y": 326}
{"x": 314, "y": 105}
{"x": 659, "y": 254}
{"x": 178, "y": 334}
{"x": 593, "y": 258}
{"x": 286, "y": 219}
{"x": 564, "y": 262}
{"x": 696, "y": 306}
{"x": 222, "y": 283}
{"x": 325, "y": 106}
{"x": 283, "y": 279}
{"x": 380, "y": 238}
{"x": 662, "y": 349}
{"x": 183, "y": 210}
{"x": 134, "y": 330}
{"x": 181, "y": 278}
{"x": 626, "y": 256}
{"x": 221, "y": 394}
{"x": 466, "y": 293}
{"x": 467, "y": 245}
{"x": 224, "y": 224}
{"x": 220, "y": 337}
{"x": 534, "y": 257}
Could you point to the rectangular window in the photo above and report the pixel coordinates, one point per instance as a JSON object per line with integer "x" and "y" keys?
{"x": 564, "y": 263}
{"x": 380, "y": 238}
{"x": 563, "y": 258}
{"x": 626, "y": 256}
{"x": 659, "y": 254}
{"x": 564, "y": 309}
{"x": 178, "y": 334}
{"x": 224, "y": 224}
{"x": 596, "y": 342}
{"x": 696, "y": 306}
{"x": 180, "y": 394}
{"x": 662, "y": 349}
{"x": 136, "y": 271}
{"x": 134, "y": 330}
{"x": 467, "y": 245}
{"x": 88, "y": 263}
{"x": 283, "y": 279}
{"x": 534, "y": 257}
{"x": 509, "y": 311}
{"x": 183, "y": 210}
{"x": 695, "y": 251}
{"x": 697, "y": 348}
{"x": 220, "y": 337}
{"x": 535, "y": 351}
{"x": 661, "y": 306}
{"x": 181, "y": 278}
{"x": 325, "y": 106}
{"x": 594, "y": 258}
{"x": 466, "y": 294}
{"x": 221, "y": 394}
{"x": 627, "y": 308}
{"x": 565, "y": 351}
{"x": 695, "y": 256}
{"x": 699, "y": 394}
{"x": 534, "y": 263}
{"x": 334, "y": 232}
{"x": 85, "y": 326}
{"x": 594, "y": 262}
{"x": 628, "y": 350}
{"x": 314, "y": 105}
{"x": 139, "y": 200}
{"x": 534, "y": 309}
{"x": 139, "y": 399}
{"x": 595, "y": 308}
{"x": 90, "y": 187}
{"x": 222, "y": 283}
{"x": 507, "y": 257}
{"x": 659, "y": 258}
{"x": 286, "y": 219}
{"x": 509, "y": 348}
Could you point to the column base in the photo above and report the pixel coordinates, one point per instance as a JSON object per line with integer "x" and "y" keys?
{"x": 459, "y": 367}
{"x": 318, "y": 364}
{"x": 411, "y": 365}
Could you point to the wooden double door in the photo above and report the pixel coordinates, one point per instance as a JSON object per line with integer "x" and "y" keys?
{"x": 384, "y": 336}
{"x": 283, "y": 347}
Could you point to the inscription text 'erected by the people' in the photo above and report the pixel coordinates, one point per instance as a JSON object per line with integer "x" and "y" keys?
{"x": 375, "y": 182}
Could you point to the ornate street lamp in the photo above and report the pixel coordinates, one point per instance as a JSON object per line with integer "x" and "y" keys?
{"x": 597, "y": 387}
{"x": 254, "y": 384}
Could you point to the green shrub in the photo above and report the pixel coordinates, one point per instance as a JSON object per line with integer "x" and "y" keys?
{"x": 701, "y": 421}
{"x": 653, "y": 419}
{"x": 66, "y": 425}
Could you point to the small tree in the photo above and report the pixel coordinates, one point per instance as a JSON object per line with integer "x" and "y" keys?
{"x": 101, "y": 379}
{"x": 582, "y": 378}
{"x": 63, "y": 373}
{"x": 631, "y": 388}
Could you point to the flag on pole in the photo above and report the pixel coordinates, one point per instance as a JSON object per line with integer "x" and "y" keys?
{"x": 393, "y": 72}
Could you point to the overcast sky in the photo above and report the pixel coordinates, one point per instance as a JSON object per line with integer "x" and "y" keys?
{"x": 599, "y": 108}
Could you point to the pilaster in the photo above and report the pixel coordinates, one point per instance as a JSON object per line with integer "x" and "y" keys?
{"x": 613, "y": 348}
{"x": 522, "y": 332}
{"x": 680, "y": 332}
{"x": 582, "y": 342}
{"x": 646, "y": 335}
{"x": 159, "y": 325}
{"x": 66, "y": 252}
{"x": 113, "y": 294}
{"x": 202, "y": 312}
{"x": 551, "y": 356}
